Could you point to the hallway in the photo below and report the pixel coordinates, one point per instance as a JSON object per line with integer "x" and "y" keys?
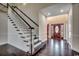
{"x": 57, "y": 48}
{"x": 25, "y": 29}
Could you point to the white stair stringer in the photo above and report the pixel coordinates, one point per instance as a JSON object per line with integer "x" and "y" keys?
{"x": 15, "y": 40}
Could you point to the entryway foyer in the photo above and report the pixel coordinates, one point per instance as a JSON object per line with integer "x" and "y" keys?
{"x": 39, "y": 29}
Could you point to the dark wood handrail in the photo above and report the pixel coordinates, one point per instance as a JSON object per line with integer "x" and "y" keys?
{"x": 3, "y": 5}
{"x": 20, "y": 17}
{"x": 27, "y": 16}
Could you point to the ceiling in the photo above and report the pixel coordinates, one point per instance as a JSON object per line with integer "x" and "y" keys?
{"x": 60, "y": 19}
{"x": 48, "y": 9}
{"x": 56, "y": 9}
{"x": 31, "y": 5}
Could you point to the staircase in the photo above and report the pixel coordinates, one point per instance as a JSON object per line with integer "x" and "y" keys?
{"x": 26, "y": 35}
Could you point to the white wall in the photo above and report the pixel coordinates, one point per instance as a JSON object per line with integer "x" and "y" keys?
{"x": 75, "y": 24}
{"x": 70, "y": 27}
{"x": 66, "y": 30}
{"x": 49, "y": 36}
{"x": 42, "y": 27}
{"x": 3, "y": 28}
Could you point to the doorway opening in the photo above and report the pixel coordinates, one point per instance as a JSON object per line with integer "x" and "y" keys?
{"x": 56, "y": 27}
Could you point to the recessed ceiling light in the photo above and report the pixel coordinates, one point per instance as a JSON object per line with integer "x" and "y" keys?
{"x": 61, "y": 10}
{"x": 49, "y": 14}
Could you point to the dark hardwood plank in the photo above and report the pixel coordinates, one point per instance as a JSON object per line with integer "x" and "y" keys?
{"x": 8, "y": 50}
{"x": 52, "y": 48}
{"x": 57, "y": 48}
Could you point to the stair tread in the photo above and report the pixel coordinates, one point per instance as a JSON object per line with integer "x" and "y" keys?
{"x": 36, "y": 49}
{"x": 9, "y": 18}
{"x": 36, "y": 45}
{"x": 36, "y": 38}
{"x": 20, "y": 33}
{"x": 16, "y": 27}
{"x": 17, "y": 30}
{"x": 12, "y": 22}
{"x": 36, "y": 42}
{"x": 23, "y": 37}
{"x": 27, "y": 45}
{"x": 25, "y": 41}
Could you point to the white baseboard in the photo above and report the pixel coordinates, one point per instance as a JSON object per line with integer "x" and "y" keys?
{"x": 77, "y": 50}
{"x": 3, "y": 43}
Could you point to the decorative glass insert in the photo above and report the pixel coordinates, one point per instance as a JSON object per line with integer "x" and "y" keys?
{"x": 56, "y": 29}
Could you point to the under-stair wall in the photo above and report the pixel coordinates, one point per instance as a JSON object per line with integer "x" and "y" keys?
{"x": 3, "y": 25}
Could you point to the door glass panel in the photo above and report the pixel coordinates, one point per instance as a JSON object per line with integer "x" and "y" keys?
{"x": 62, "y": 30}
{"x": 56, "y": 29}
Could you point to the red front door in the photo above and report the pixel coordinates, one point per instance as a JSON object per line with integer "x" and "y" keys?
{"x": 56, "y": 31}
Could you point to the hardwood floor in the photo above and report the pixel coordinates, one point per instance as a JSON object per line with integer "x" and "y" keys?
{"x": 52, "y": 48}
{"x": 57, "y": 48}
{"x": 9, "y": 50}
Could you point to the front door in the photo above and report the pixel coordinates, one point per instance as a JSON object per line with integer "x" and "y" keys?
{"x": 56, "y": 31}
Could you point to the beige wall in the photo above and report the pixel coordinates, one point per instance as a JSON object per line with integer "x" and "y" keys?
{"x": 42, "y": 28}
{"x": 75, "y": 27}
{"x": 3, "y": 28}
{"x": 57, "y": 19}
